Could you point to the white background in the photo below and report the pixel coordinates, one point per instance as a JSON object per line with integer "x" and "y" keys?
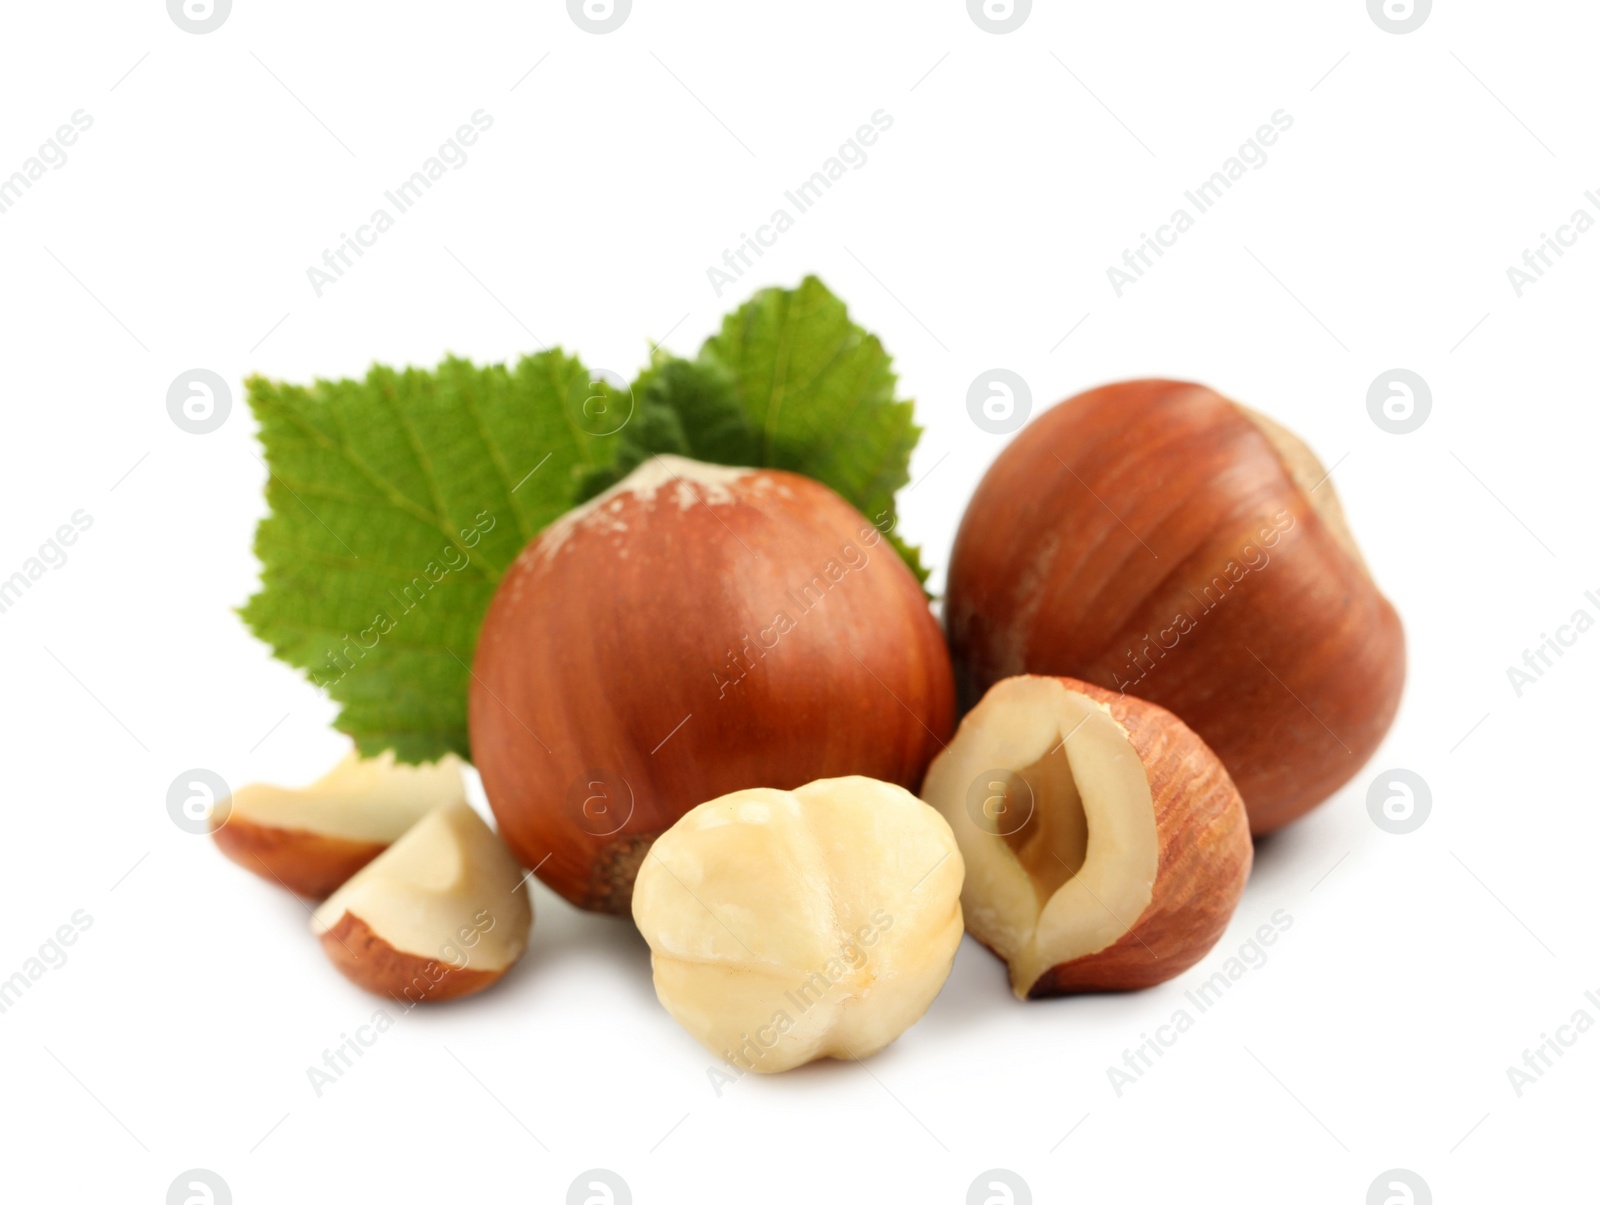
{"x": 218, "y": 168}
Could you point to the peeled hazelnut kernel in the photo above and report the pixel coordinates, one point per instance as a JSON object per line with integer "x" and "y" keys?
{"x": 1158, "y": 539}
{"x": 1105, "y": 845}
{"x": 441, "y": 913}
{"x": 786, "y": 926}
{"x": 311, "y": 839}
{"x": 695, "y": 630}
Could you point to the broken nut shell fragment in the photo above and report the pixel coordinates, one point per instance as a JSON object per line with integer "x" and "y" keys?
{"x": 442, "y": 913}
{"x": 311, "y": 839}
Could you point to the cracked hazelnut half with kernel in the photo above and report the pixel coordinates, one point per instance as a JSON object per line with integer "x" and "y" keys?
{"x": 311, "y": 839}
{"x": 1105, "y": 845}
{"x": 441, "y": 913}
{"x": 787, "y": 926}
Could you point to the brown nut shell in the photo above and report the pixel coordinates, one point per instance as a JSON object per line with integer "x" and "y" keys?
{"x": 1154, "y": 537}
{"x": 309, "y": 864}
{"x": 695, "y": 631}
{"x": 369, "y": 962}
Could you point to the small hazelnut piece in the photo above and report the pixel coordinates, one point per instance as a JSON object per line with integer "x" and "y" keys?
{"x": 1160, "y": 540}
{"x": 694, "y": 630}
{"x": 786, "y": 926}
{"x": 1105, "y": 845}
{"x": 311, "y": 839}
{"x": 441, "y": 913}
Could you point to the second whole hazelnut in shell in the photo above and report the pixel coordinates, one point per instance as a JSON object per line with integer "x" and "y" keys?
{"x": 1159, "y": 540}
